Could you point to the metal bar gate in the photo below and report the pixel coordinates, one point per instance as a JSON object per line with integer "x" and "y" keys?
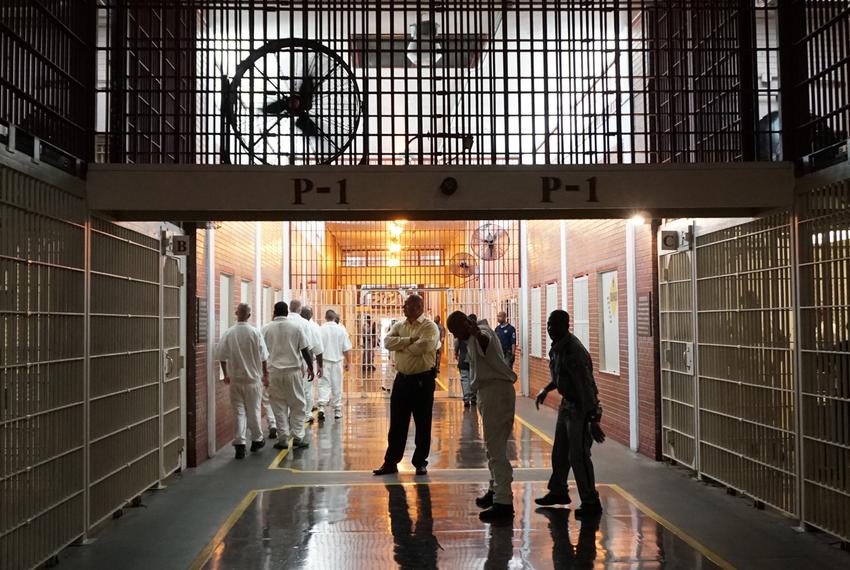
{"x": 91, "y": 387}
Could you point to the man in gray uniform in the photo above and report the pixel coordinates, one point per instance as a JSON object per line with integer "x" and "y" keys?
{"x": 493, "y": 381}
{"x": 572, "y": 374}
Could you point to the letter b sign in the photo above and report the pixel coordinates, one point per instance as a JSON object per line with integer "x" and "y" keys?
{"x": 180, "y": 245}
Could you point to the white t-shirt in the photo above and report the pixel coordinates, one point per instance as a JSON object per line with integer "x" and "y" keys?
{"x": 243, "y": 349}
{"x": 285, "y": 340}
{"x": 489, "y": 367}
{"x": 335, "y": 341}
{"x": 314, "y": 335}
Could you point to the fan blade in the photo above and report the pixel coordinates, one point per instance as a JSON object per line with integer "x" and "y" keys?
{"x": 275, "y": 107}
{"x": 307, "y": 125}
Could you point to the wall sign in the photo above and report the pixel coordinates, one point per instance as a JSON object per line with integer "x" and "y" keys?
{"x": 644, "y": 314}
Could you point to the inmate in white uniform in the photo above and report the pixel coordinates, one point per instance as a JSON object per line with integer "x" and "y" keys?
{"x": 314, "y": 340}
{"x": 335, "y": 343}
{"x": 243, "y": 349}
{"x": 285, "y": 340}
{"x": 493, "y": 380}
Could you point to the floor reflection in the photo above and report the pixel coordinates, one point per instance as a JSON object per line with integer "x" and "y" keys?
{"x": 430, "y": 526}
{"x": 358, "y": 440}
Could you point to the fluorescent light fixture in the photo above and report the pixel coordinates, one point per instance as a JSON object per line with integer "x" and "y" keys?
{"x": 394, "y": 247}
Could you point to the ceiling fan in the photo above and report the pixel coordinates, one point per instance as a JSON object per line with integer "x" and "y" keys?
{"x": 291, "y": 101}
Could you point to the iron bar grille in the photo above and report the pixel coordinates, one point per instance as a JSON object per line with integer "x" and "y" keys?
{"x": 676, "y": 321}
{"x": 42, "y": 370}
{"x": 824, "y": 285}
{"x": 747, "y": 423}
{"x": 409, "y": 83}
{"x": 364, "y": 270}
{"x": 817, "y": 36}
{"x": 46, "y": 71}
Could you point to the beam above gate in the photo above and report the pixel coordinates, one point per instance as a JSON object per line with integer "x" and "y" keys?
{"x": 231, "y": 192}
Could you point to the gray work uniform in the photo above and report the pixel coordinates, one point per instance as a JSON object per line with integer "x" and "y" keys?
{"x": 493, "y": 381}
{"x": 572, "y": 374}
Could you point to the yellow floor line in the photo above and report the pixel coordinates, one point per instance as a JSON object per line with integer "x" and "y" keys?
{"x": 534, "y": 429}
{"x": 441, "y": 385}
{"x": 691, "y": 541}
{"x": 205, "y": 554}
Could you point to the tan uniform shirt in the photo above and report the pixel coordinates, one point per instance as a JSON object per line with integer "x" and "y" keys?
{"x": 414, "y": 357}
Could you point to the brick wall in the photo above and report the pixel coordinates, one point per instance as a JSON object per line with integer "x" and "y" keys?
{"x": 235, "y": 244}
{"x": 595, "y": 246}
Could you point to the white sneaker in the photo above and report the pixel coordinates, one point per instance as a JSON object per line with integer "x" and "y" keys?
{"x": 337, "y": 415}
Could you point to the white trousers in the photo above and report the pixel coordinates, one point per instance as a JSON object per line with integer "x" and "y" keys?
{"x": 286, "y": 395}
{"x": 245, "y": 400}
{"x": 309, "y": 399}
{"x": 497, "y": 404}
{"x": 267, "y": 405}
{"x": 330, "y": 386}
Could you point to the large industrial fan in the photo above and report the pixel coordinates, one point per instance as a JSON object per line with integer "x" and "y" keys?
{"x": 292, "y": 101}
{"x": 462, "y": 265}
{"x": 490, "y": 242}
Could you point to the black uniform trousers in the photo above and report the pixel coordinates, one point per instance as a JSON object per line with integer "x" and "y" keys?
{"x": 412, "y": 395}
{"x": 572, "y": 451}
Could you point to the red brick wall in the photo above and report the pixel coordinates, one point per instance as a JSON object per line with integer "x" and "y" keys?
{"x": 594, "y": 246}
{"x": 197, "y": 442}
{"x": 235, "y": 255}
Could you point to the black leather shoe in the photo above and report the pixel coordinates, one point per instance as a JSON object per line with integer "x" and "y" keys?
{"x": 497, "y": 512}
{"x": 485, "y": 501}
{"x": 273, "y": 433}
{"x": 421, "y": 470}
{"x": 550, "y": 499}
{"x": 240, "y": 451}
{"x": 385, "y": 470}
{"x": 321, "y": 416}
{"x": 258, "y": 445}
{"x": 282, "y": 444}
{"x": 589, "y": 510}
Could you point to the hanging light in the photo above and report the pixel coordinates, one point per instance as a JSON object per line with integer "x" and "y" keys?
{"x": 424, "y": 50}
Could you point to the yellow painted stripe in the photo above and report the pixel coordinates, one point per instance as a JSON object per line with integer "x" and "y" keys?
{"x": 691, "y": 541}
{"x": 276, "y": 462}
{"x": 534, "y": 429}
{"x": 440, "y": 383}
{"x": 205, "y": 554}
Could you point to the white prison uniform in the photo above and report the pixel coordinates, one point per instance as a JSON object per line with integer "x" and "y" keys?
{"x": 314, "y": 340}
{"x": 494, "y": 381}
{"x": 268, "y": 407}
{"x": 286, "y": 339}
{"x": 243, "y": 349}
{"x": 335, "y": 343}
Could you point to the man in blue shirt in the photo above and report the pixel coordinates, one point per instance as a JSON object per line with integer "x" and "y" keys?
{"x": 507, "y": 338}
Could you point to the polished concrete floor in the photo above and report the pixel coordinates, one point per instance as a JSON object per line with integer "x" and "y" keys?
{"x": 422, "y": 525}
{"x": 320, "y": 507}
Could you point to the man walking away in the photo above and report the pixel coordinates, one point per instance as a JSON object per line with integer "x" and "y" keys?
{"x": 314, "y": 335}
{"x": 414, "y": 342}
{"x": 337, "y": 347}
{"x": 507, "y": 338}
{"x": 287, "y": 345}
{"x": 494, "y": 382}
{"x": 463, "y": 368}
{"x": 442, "y": 329}
{"x": 242, "y": 354}
{"x": 315, "y": 343}
{"x": 572, "y": 374}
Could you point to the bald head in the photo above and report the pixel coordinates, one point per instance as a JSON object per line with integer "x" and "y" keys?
{"x": 330, "y": 315}
{"x": 414, "y": 306}
{"x": 295, "y": 306}
{"x": 558, "y": 325}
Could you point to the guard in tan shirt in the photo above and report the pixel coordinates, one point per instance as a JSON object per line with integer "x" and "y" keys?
{"x": 414, "y": 342}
